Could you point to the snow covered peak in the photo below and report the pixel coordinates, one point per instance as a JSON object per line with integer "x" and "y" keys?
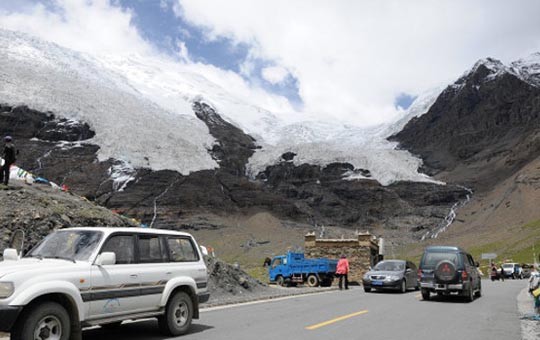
{"x": 528, "y": 68}
{"x": 484, "y": 70}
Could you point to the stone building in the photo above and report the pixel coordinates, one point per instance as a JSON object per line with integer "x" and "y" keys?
{"x": 362, "y": 252}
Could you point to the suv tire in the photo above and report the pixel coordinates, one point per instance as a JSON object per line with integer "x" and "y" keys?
{"x": 469, "y": 294}
{"x": 178, "y": 315}
{"x": 49, "y": 319}
{"x": 445, "y": 271}
{"x": 425, "y": 294}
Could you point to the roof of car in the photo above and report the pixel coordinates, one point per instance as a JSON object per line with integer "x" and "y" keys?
{"x": 109, "y": 230}
{"x": 444, "y": 248}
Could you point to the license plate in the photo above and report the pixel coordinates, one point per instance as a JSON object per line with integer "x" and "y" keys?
{"x": 376, "y": 283}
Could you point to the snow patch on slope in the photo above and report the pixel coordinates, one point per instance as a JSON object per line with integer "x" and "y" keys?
{"x": 322, "y": 143}
{"x": 47, "y": 77}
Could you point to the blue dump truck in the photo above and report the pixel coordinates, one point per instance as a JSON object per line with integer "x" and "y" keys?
{"x": 293, "y": 268}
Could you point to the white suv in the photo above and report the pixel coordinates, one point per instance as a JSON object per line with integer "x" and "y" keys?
{"x": 82, "y": 277}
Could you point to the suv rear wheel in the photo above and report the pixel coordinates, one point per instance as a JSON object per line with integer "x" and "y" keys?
{"x": 469, "y": 294}
{"x": 178, "y": 315}
{"x": 46, "y": 321}
{"x": 425, "y": 294}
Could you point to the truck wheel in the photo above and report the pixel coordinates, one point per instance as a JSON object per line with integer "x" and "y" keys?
{"x": 312, "y": 280}
{"x": 326, "y": 282}
{"x": 280, "y": 281}
{"x": 48, "y": 320}
{"x": 425, "y": 294}
{"x": 178, "y": 315}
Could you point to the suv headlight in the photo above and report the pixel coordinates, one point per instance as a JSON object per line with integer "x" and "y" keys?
{"x": 6, "y": 289}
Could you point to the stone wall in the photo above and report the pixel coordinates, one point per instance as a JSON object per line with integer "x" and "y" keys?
{"x": 362, "y": 252}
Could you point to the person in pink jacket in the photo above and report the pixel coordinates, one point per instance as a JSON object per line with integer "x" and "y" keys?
{"x": 342, "y": 271}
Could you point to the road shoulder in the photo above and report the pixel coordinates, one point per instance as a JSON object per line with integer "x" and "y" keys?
{"x": 529, "y": 328}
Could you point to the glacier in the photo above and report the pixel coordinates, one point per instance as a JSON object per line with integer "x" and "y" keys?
{"x": 141, "y": 110}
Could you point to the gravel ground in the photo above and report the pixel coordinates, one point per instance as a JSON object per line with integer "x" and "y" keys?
{"x": 530, "y": 329}
{"x": 229, "y": 284}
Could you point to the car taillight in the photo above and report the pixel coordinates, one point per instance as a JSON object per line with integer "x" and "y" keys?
{"x": 419, "y": 273}
{"x": 464, "y": 275}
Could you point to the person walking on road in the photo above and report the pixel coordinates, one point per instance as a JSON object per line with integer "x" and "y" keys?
{"x": 342, "y": 271}
{"x": 9, "y": 156}
{"x": 502, "y": 273}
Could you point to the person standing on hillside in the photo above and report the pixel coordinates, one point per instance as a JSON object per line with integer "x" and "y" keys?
{"x": 342, "y": 271}
{"x": 9, "y": 156}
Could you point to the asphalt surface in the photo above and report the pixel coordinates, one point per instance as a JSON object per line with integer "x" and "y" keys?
{"x": 352, "y": 314}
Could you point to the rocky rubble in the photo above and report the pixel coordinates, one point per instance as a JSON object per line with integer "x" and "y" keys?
{"x": 40, "y": 209}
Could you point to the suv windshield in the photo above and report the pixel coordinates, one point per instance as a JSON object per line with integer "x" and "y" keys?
{"x": 508, "y": 266}
{"x": 68, "y": 244}
{"x": 392, "y": 266}
{"x": 432, "y": 258}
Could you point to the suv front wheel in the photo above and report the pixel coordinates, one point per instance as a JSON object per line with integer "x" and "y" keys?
{"x": 47, "y": 320}
{"x": 178, "y": 315}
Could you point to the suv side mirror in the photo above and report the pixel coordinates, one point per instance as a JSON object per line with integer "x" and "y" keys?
{"x": 106, "y": 259}
{"x": 477, "y": 264}
{"x": 10, "y": 254}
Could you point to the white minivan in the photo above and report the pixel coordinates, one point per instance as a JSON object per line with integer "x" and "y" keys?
{"x": 82, "y": 277}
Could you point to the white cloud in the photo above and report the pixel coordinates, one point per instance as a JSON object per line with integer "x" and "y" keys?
{"x": 101, "y": 27}
{"x": 89, "y": 26}
{"x": 352, "y": 58}
{"x": 274, "y": 74}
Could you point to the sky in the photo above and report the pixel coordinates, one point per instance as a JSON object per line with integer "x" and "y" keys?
{"x": 357, "y": 61}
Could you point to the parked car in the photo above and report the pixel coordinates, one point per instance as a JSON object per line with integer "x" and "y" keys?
{"x": 527, "y": 269}
{"x": 446, "y": 270}
{"x": 101, "y": 276}
{"x": 512, "y": 270}
{"x": 391, "y": 274}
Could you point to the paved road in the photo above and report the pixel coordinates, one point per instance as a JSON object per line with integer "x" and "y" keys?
{"x": 353, "y": 314}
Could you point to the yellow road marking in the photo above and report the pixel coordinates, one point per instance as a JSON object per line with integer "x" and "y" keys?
{"x": 341, "y": 318}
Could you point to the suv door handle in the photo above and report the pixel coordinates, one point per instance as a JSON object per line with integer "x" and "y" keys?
{"x": 134, "y": 276}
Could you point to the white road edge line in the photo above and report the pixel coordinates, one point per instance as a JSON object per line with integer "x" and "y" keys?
{"x": 211, "y": 309}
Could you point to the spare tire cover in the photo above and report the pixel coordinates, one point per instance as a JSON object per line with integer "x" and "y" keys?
{"x": 445, "y": 270}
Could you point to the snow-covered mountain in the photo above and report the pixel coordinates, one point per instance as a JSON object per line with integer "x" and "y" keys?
{"x": 141, "y": 110}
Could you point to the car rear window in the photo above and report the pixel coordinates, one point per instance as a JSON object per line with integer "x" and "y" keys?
{"x": 431, "y": 259}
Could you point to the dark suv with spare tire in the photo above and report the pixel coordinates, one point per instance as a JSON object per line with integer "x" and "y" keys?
{"x": 445, "y": 270}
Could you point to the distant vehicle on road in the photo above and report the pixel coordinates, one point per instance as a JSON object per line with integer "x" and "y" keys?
{"x": 391, "y": 275}
{"x": 446, "y": 270}
{"x": 295, "y": 268}
{"x": 512, "y": 270}
{"x": 527, "y": 269}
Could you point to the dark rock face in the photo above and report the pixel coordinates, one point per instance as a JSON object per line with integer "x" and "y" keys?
{"x": 479, "y": 131}
{"x": 61, "y": 151}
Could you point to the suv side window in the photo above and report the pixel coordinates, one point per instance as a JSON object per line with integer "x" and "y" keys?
{"x": 123, "y": 246}
{"x": 181, "y": 249}
{"x": 471, "y": 261}
{"x": 150, "y": 249}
